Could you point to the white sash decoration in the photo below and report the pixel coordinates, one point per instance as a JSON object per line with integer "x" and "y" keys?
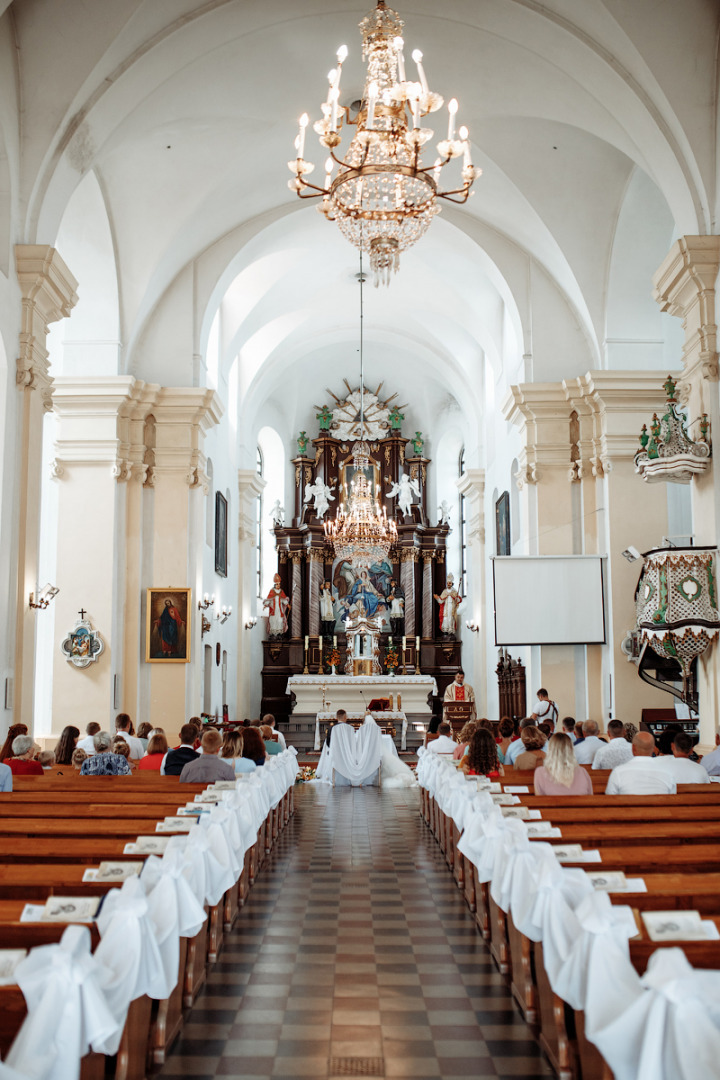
{"x": 130, "y": 953}
{"x": 6, "y": 1073}
{"x": 671, "y": 1030}
{"x": 355, "y": 755}
{"x": 68, "y": 1012}
{"x": 212, "y": 848}
{"x": 166, "y": 876}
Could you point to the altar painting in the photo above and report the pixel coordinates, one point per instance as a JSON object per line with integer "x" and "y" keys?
{"x": 350, "y": 586}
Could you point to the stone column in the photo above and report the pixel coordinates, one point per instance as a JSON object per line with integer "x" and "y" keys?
{"x": 409, "y": 557}
{"x": 48, "y": 293}
{"x": 181, "y": 415}
{"x": 96, "y": 463}
{"x": 249, "y": 653}
{"x": 296, "y": 595}
{"x": 620, "y": 510}
{"x": 685, "y": 286}
{"x": 427, "y": 595}
{"x": 471, "y": 485}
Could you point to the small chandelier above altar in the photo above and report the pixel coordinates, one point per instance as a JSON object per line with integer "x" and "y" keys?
{"x": 361, "y": 534}
{"x": 382, "y": 196}
{"x": 667, "y": 452}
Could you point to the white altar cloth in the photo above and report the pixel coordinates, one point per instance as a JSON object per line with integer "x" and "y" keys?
{"x": 355, "y": 692}
{"x": 379, "y": 717}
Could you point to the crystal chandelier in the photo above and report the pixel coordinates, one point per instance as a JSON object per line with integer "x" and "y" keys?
{"x": 382, "y": 196}
{"x": 361, "y": 534}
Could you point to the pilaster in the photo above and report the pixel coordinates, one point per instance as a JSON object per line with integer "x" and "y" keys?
{"x": 48, "y": 292}
{"x": 249, "y": 654}
{"x": 471, "y": 485}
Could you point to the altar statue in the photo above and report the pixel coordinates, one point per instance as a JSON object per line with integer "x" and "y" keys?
{"x": 277, "y": 514}
{"x": 405, "y": 488}
{"x": 444, "y": 509}
{"x": 277, "y": 605}
{"x": 449, "y": 601}
{"x": 323, "y": 496}
{"x": 395, "y": 601}
{"x": 327, "y": 610}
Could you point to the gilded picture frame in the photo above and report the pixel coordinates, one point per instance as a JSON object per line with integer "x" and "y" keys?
{"x": 167, "y": 633}
{"x": 221, "y": 526}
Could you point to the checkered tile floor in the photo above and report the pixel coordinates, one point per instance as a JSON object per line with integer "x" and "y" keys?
{"x": 355, "y": 956}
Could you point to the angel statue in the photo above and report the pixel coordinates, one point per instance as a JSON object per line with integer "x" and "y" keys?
{"x": 445, "y": 510}
{"x": 322, "y": 495}
{"x": 277, "y": 514}
{"x": 404, "y": 490}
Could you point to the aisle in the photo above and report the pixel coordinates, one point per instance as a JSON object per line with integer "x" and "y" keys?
{"x": 355, "y": 956}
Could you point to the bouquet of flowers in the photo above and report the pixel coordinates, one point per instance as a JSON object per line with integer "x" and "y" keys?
{"x": 391, "y": 659}
{"x": 307, "y": 772}
{"x": 332, "y": 659}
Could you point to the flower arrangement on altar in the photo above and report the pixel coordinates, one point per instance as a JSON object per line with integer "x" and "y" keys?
{"x": 392, "y": 659}
{"x": 332, "y": 659}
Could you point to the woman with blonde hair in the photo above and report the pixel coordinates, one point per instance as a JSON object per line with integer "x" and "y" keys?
{"x": 533, "y": 740}
{"x": 232, "y": 750}
{"x": 466, "y": 735}
{"x": 560, "y": 773}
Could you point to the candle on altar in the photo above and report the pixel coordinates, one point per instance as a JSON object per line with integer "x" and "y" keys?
{"x": 334, "y": 642}
{"x": 417, "y": 644}
{"x": 403, "y": 643}
{"x": 307, "y": 641}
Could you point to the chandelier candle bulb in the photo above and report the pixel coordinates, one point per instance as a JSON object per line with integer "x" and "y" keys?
{"x": 417, "y": 57}
{"x": 332, "y": 76}
{"x": 301, "y": 136}
{"x": 372, "y": 101}
{"x": 398, "y": 43}
{"x": 334, "y": 95}
{"x": 452, "y": 110}
{"x": 342, "y": 54}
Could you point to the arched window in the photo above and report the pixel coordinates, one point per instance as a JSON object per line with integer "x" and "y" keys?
{"x": 260, "y": 465}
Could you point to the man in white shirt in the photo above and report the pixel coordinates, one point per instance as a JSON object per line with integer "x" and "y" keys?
{"x": 545, "y": 709}
{"x": 444, "y": 744}
{"x": 516, "y": 748}
{"x": 122, "y": 731}
{"x": 643, "y": 774}
{"x": 711, "y": 761}
{"x": 682, "y": 768}
{"x": 586, "y": 750}
{"x": 269, "y": 719}
{"x": 617, "y": 751}
{"x": 87, "y": 743}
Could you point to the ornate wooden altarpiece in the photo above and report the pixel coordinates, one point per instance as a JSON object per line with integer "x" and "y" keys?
{"x": 305, "y": 559}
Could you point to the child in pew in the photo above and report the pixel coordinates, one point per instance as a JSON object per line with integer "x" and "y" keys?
{"x": 560, "y": 773}
{"x": 121, "y": 747}
{"x": 482, "y": 757}
{"x": 78, "y": 756}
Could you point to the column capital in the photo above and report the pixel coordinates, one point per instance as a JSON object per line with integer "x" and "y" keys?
{"x": 250, "y": 487}
{"x": 183, "y": 415}
{"x": 617, "y": 404}
{"x": 541, "y": 412}
{"x": 49, "y": 293}
{"x": 471, "y": 484}
{"x": 684, "y": 285}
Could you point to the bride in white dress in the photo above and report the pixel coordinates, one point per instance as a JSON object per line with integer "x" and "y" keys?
{"x": 395, "y": 773}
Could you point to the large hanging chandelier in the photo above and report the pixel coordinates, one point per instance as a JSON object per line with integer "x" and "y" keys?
{"x": 382, "y": 196}
{"x": 361, "y": 533}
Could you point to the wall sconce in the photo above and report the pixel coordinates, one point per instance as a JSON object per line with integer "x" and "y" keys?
{"x": 42, "y": 598}
{"x": 205, "y": 627}
{"x": 206, "y": 602}
{"x": 251, "y": 622}
{"x": 224, "y": 614}
{"x": 473, "y": 627}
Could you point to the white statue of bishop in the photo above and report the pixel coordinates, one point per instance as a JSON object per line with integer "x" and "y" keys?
{"x": 405, "y": 489}
{"x": 323, "y": 496}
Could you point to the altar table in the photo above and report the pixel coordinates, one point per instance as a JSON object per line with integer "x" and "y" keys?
{"x": 354, "y": 692}
{"x": 379, "y": 717}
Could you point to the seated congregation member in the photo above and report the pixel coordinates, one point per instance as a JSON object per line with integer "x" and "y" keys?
{"x": 66, "y": 744}
{"x": 23, "y": 763}
{"x": 271, "y": 747}
{"x": 208, "y": 766}
{"x": 444, "y": 744}
{"x": 46, "y": 759}
{"x": 5, "y": 778}
{"x": 630, "y": 732}
{"x": 432, "y": 728}
{"x": 269, "y": 719}
{"x": 711, "y": 761}
{"x": 505, "y": 736}
{"x": 78, "y": 756}
{"x": 516, "y": 747}
{"x": 254, "y": 747}
{"x": 104, "y": 762}
{"x": 560, "y": 774}
{"x": 119, "y": 746}
{"x": 586, "y": 750}
{"x": 615, "y": 752}
{"x": 13, "y": 731}
{"x": 232, "y": 751}
{"x": 156, "y": 751}
{"x": 144, "y": 734}
{"x": 579, "y": 734}
{"x": 465, "y": 736}
{"x": 340, "y": 718}
{"x": 643, "y": 774}
{"x": 124, "y": 730}
{"x": 682, "y": 768}
{"x": 482, "y": 757}
{"x": 534, "y": 743}
{"x": 567, "y": 726}
{"x": 547, "y": 729}
{"x": 175, "y": 760}
{"x": 86, "y": 744}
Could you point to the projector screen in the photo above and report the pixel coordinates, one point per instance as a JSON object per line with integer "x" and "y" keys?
{"x": 549, "y": 600}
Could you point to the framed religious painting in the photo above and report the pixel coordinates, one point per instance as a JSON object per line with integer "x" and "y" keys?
{"x": 502, "y": 524}
{"x": 167, "y": 636}
{"x": 220, "y": 534}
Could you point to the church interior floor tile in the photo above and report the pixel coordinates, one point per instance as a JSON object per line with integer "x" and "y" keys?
{"x": 355, "y": 951}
